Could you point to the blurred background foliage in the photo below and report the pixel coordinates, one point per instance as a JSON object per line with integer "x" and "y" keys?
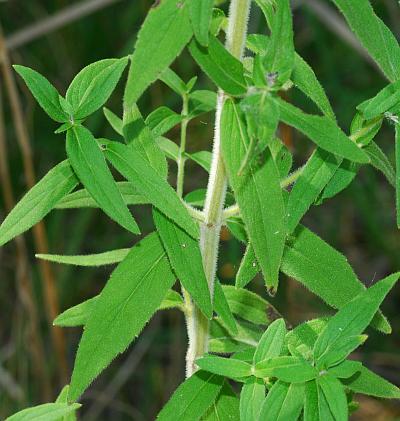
{"x": 58, "y": 38}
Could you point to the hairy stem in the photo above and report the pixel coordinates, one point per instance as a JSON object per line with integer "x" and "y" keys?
{"x": 197, "y": 323}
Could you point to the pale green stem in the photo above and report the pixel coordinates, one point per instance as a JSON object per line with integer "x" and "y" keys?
{"x": 197, "y": 323}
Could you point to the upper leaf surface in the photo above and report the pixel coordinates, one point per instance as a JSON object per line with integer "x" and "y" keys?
{"x": 44, "y": 92}
{"x": 93, "y": 85}
{"x": 44, "y": 412}
{"x": 164, "y": 34}
{"x": 200, "y": 15}
{"x": 121, "y": 311}
{"x": 88, "y": 162}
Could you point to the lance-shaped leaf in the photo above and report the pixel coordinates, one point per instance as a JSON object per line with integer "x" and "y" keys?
{"x": 311, "y": 410}
{"x": 381, "y": 162}
{"x": 114, "y": 120}
{"x": 252, "y": 397}
{"x": 353, "y": 318}
{"x": 200, "y": 15}
{"x": 124, "y": 306}
{"x": 140, "y": 138}
{"x": 318, "y": 266}
{"x": 222, "y": 308}
{"x": 250, "y": 306}
{"x": 369, "y": 383}
{"x": 323, "y": 131}
{"x": 164, "y": 34}
{"x": 334, "y": 395}
{"x": 373, "y": 34}
{"x": 39, "y": 201}
{"x": 171, "y": 79}
{"x": 345, "y": 369}
{"x": 314, "y": 177}
{"x": 76, "y": 315}
{"x": 397, "y": 153}
{"x": 288, "y": 369}
{"x": 162, "y": 120}
{"x": 284, "y": 402}
{"x": 228, "y": 367}
{"x": 185, "y": 257}
{"x": 99, "y": 259}
{"x": 258, "y": 193}
{"x": 386, "y": 99}
{"x": 248, "y": 268}
{"x": 201, "y": 102}
{"x": 93, "y": 85}
{"x": 63, "y": 398}
{"x": 46, "y": 412}
{"x": 147, "y": 182}
{"x": 44, "y": 92}
{"x": 222, "y": 67}
{"x": 226, "y": 406}
{"x": 88, "y": 162}
{"x": 304, "y": 79}
{"x": 279, "y": 59}
{"x": 271, "y": 342}
{"x": 82, "y": 198}
{"x": 192, "y": 398}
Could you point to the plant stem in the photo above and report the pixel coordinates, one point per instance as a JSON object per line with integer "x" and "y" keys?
{"x": 197, "y": 323}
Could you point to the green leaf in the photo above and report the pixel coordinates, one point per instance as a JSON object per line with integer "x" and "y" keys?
{"x": 196, "y": 197}
{"x": 164, "y": 34}
{"x": 99, "y": 259}
{"x": 353, "y": 318}
{"x": 88, "y": 162}
{"x": 170, "y": 148}
{"x": 203, "y": 158}
{"x": 93, "y": 85}
{"x": 222, "y": 67}
{"x": 323, "y": 131}
{"x": 369, "y": 383}
{"x": 140, "y": 138}
{"x": 342, "y": 350}
{"x": 279, "y": 59}
{"x": 173, "y": 81}
{"x": 45, "y": 412}
{"x": 397, "y": 154}
{"x": 226, "y": 407}
{"x": 316, "y": 174}
{"x": 304, "y": 79}
{"x": 114, "y": 120}
{"x": 228, "y": 367}
{"x": 162, "y": 120}
{"x": 159, "y": 193}
{"x": 248, "y": 268}
{"x": 251, "y": 399}
{"x": 39, "y": 201}
{"x": 201, "y": 102}
{"x": 386, "y": 99}
{"x": 258, "y": 193}
{"x": 288, "y": 369}
{"x": 76, "y": 315}
{"x": 185, "y": 257}
{"x": 82, "y": 198}
{"x": 172, "y": 300}
{"x": 345, "y": 369}
{"x": 343, "y": 176}
{"x": 271, "y": 342}
{"x": 284, "y": 402}
{"x": 221, "y": 306}
{"x": 301, "y": 339}
{"x": 201, "y": 12}
{"x": 192, "y": 398}
{"x": 124, "y": 306}
{"x": 282, "y": 156}
{"x": 63, "y": 398}
{"x": 373, "y": 34}
{"x": 381, "y": 162}
{"x": 334, "y": 394}
{"x": 44, "y": 92}
{"x": 250, "y": 306}
{"x": 311, "y": 410}
{"x": 318, "y": 266}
